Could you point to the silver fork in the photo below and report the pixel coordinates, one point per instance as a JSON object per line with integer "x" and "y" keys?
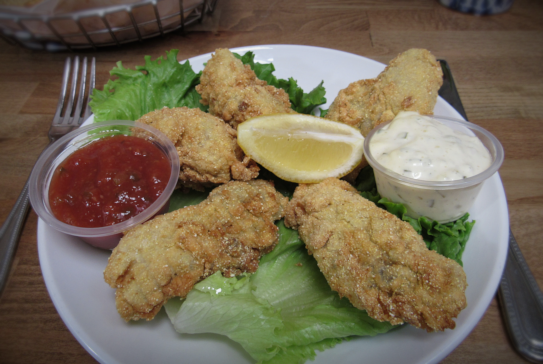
{"x": 63, "y": 123}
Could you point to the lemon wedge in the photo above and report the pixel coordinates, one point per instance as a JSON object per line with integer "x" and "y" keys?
{"x": 301, "y": 148}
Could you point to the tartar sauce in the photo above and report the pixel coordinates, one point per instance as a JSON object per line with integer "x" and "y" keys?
{"x": 423, "y": 148}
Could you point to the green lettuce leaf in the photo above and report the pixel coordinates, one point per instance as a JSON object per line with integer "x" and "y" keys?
{"x": 135, "y": 92}
{"x": 301, "y": 102}
{"x": 447, "y": 239}
{"x": 180, "y": 199}
{"x": 286, "y": 188}
{"x": 166, "y": 82}
{"x": 273, "y": 321}
{"x": 323, "y": 112}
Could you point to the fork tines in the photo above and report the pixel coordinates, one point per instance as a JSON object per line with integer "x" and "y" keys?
{"x": 67, "y": 115}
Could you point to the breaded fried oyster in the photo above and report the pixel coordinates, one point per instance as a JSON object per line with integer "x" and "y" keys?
{"x": 376, "y": 260}
{"x": 410, "y": 82}
{"x": 207, "y": 147}
{"x": 235, "y": 94}
{"x": 168, "y": 255}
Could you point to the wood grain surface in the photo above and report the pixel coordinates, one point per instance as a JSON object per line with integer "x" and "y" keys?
{"x": 496, "y": 61}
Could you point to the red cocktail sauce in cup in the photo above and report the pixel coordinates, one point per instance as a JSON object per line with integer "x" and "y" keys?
{"x": 108, "y": 181}
{"x": 102, "y": 179}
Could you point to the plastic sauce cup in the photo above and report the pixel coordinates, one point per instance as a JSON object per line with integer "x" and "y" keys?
{"x": 106, "y": 237}
{"x": 443, "y": 201}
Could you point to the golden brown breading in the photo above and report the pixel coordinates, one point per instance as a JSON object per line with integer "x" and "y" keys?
{"x": 376, "y": 260}
{"x": 167, "y": 255}
{"x": 207, "y": 147}
{"x": 235, "y": 94}
{"x": 410, "y": 83}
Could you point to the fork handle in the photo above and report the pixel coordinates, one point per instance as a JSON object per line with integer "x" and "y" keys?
{"x": 9, "y": 234}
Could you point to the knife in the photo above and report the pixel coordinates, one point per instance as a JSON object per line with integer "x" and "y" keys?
{"x": 520, "y": 298}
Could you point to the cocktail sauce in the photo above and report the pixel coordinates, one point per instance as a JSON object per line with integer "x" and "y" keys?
{"x": 108, "y": 181}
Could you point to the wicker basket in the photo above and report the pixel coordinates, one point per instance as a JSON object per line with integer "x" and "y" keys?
{"x": 101, "y": 27}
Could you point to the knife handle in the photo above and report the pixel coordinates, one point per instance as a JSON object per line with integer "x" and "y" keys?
{"x": 520, "y": 298}
{"x": 448, "y": 89}
{"x": 522, "y": 305}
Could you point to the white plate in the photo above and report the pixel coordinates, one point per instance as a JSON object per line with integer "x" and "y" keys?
{"x": 73, "y": 270}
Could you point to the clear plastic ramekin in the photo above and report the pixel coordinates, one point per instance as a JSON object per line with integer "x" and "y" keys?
{"x": 106, "y": 237}
{"x": 442, "y": 201}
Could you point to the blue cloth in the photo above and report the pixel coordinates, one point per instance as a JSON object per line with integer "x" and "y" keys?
{"x": 478, "y": 7}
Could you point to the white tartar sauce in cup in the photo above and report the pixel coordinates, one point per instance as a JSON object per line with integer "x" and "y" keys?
{"x": 423, "y": 154}
{"x": 420, "y": 147}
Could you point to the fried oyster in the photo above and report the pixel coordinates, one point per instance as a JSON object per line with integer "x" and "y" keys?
{"x": 379, "y": 262}
{"x": 166, "y": 256}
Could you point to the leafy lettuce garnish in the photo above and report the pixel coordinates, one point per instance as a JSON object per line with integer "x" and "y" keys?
{"x": 282, "y": 313}
{"x": 135, "y": 92}
{"x": 166, "y": 82}
{"x": 301, "y": 102}
{"x": 180, "y": 199}
{"x": 447, "y": 239}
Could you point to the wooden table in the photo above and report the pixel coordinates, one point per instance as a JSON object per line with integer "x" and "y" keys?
{"x": 496, "y": 60}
